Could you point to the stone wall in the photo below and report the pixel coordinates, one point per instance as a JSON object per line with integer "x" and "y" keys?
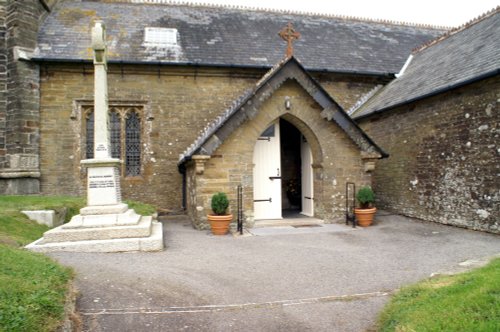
{"x": 336, "y": 159}
{"x": 19, "y": 95}
{"x": 3, "y": 83}
{"x": 444, "y": 162}
{"x": 179, "y": 101}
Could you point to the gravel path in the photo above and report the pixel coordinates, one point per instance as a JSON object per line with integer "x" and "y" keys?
{"x": 334, "y": 280}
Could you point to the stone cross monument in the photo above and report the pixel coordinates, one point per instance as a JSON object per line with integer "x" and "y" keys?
{"x": 105, "y": 224}
{"x": 103, "y": 172}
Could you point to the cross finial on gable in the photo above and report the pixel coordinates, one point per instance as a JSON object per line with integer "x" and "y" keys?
{"x": 289, "y": 35}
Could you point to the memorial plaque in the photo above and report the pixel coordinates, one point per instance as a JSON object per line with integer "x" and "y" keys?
{"x": 102, "y": 186}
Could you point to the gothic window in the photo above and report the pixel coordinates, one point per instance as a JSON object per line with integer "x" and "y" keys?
{"x": 125, "y": 137}
{"x": 89, "y": 134}
{"x": 115, "y": 134}
{"x": 133, "y": 144}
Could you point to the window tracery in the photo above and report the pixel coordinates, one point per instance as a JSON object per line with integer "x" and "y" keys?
{"x": 125, "y": 128}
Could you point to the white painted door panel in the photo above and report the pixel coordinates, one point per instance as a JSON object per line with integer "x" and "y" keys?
{"x": 307, "y": 179}
{"x": 267, "y": 175}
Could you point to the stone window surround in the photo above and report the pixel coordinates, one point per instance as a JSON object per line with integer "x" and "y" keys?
{"x": 143, "y": 108}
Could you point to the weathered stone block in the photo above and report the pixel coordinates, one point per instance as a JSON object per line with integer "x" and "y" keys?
{"x": 19, "y": 186}
{"x": 45, "y": 217}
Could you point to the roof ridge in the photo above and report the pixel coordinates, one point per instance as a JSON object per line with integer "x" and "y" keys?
{"x": 287, "y": 11}
{"x": 456, "y": 30}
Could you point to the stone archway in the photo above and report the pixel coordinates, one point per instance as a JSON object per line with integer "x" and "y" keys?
{"x": 310, "y": 136}
{"x": 221, "y": 158}
{"x": 283, "y": 178}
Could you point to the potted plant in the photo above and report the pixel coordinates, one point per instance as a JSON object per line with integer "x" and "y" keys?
{"x": 366, "y": 211}
{"x": 220, "y": 220}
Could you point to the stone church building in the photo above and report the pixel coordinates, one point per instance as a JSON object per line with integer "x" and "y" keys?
{"x": 203, "y": 99}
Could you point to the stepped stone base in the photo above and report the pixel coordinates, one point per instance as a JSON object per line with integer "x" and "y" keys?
{"x": 127, "y": 218}
{"x": 142, "y": 229}
{"x": 103, "y": 233}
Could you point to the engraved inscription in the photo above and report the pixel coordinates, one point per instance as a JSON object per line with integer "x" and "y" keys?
{"x": 118, "y": 191}
{"x": 101, "y": 147}
{"x": 101, "y": 181}
{"x": 103, "y": 186}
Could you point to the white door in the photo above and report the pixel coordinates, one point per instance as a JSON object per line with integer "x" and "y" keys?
{"x": 267, "y": 174}
{"x": 307, "y": 178}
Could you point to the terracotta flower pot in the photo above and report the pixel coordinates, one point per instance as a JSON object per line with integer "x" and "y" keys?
{"x": 365, "y": 216}
{"x": 220, "y": 224}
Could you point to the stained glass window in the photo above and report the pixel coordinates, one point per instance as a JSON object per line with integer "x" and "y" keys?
{"x": 123, "y": 122}
{"x": 89, "y": 134}
{"x": 115, "y": 134}
{"x": 133, "y": 144}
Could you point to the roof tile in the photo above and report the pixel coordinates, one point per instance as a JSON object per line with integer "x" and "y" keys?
{"x": 229, "y": 37}
{"x": 469, "y": 53}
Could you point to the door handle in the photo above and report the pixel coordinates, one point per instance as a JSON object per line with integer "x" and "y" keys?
{"x": 275, "y": 177}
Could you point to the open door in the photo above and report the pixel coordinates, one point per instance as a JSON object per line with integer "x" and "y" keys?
{"x": 267, "y": 174}
{"x": 306, "y": 178}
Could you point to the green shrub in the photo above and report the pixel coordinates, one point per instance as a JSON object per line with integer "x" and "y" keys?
{"x": 365, "y": 197}
{"x": 220, "y": 204}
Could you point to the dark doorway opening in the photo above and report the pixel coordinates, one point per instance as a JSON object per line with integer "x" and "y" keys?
{"x": 291, "y": 192}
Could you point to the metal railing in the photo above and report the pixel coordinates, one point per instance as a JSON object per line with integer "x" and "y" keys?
{"x": 240, "y": 209}
{"x": 350, "y": 203}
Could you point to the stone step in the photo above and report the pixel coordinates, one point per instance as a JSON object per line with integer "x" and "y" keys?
{"x": 153, "y": 242}
{"x": 62, "y": 234}
{"x": 303, "y": 221}
{"x": 127, "y": 218}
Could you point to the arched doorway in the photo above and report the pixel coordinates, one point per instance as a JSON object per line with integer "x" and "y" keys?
{"x": 283, "y": 175}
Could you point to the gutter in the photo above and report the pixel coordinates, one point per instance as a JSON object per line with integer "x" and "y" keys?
{"x": 444, "y": 89}
{"x": 215, "y": 65}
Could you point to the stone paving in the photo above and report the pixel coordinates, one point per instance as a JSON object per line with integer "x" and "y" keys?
{"x": 336, "y": 279}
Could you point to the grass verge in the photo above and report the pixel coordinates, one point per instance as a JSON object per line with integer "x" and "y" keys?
{"x": 32, "y": 291}
{"x": 463, "y": 302}
{"x": 32, "y": 286}
{"x": 17, "y": 230}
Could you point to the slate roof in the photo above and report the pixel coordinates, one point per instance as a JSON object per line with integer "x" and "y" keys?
{"x": 458, "y": 58}
{"x": 228, "y": 37}
{"x": 246, "y": 106}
